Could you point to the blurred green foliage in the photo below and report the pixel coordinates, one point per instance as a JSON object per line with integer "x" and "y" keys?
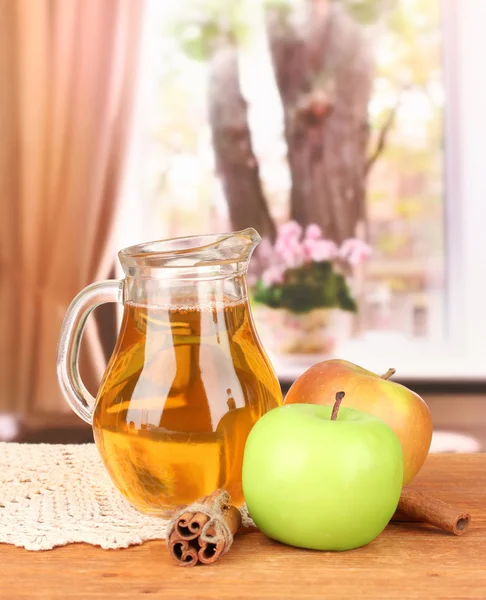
{"x": 368, "y": 11}
{"x": 200, "y": 25}
{"x": 316, "y": 285}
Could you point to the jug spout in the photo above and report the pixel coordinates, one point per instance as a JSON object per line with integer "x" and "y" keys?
{"x": 190, "y": 253}
{"x": 233, "y": 247}
{"x": 244, "y": 242}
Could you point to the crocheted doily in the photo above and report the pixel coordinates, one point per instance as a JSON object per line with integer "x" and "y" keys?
{"x": 52, "y": 495}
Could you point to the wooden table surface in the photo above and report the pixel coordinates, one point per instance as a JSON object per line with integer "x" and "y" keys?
{"x": 407, "y": 560}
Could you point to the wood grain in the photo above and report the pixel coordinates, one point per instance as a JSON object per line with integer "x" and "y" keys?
{"x": 406, "y": 561}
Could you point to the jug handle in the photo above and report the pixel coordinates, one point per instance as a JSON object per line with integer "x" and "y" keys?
{"x": 70, "y": 382}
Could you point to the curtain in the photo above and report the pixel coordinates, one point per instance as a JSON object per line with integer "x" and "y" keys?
{"x": 67, "y": 71}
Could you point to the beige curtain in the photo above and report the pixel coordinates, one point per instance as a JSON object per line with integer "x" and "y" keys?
{"x": 67, "y": 72}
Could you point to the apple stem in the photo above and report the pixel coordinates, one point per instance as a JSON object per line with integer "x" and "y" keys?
{"x": 337, "y": 404}
{"x": 389, "y": 374}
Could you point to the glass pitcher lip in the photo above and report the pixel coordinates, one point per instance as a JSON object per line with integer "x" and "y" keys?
{"x": 192, "y": 251}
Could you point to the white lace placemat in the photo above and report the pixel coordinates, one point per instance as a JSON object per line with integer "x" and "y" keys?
{"x": 53, "y": 495}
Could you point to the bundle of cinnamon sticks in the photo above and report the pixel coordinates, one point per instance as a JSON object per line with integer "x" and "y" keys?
{"x": 204, "y": 531}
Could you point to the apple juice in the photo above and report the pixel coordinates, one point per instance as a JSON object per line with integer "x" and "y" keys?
{"x": 183, "y": 388}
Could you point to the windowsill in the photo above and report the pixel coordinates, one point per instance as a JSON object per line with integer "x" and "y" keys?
{"x": 413, "y": 359}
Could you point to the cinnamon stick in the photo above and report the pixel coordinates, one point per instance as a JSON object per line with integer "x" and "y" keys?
{"x": 182, "y": 551}
{"x": 203, "y": 531}
{"x": 210, "y": 551}
{"x": 189, "y": 525}
{"x": 419, "y": 507}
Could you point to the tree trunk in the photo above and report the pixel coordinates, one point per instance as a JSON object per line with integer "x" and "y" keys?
{"x": 236, "y": 163}
{"x": 324, "y": 74}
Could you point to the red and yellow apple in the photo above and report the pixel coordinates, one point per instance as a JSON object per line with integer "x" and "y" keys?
{"x": 403, "y": 410}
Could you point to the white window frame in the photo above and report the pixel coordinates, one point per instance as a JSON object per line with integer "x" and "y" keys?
{"x": 461, "y": 356}
{"x": 465, "y": 53}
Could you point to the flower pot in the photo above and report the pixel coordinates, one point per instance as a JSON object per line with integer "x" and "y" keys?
{"x": 317, "y": 332}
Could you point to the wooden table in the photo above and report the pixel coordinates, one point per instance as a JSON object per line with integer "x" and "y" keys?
{"x": 405, "y": 561}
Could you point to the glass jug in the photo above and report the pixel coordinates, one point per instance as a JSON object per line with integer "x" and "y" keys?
{"x": 188, "y": 377}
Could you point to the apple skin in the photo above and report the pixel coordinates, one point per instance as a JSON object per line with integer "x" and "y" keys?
{"x": 403, "y": 410}
{"x": 320, "y": 484}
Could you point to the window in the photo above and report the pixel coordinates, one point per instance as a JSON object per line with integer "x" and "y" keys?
{"x": 421, "y": 292}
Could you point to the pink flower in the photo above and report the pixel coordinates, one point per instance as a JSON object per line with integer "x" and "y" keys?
{"x": 290, "y": 230}
{"x": 292, "y": 259}
{"x": 265, "y": 251}
{"x": 273, "y": 275}
{"x": 355, "y": 251}
{"x": 290, "y": 251}
{"x": 308, "y": 246}
{"x": 321, "y": 250}
{"x": 313, "y": 232}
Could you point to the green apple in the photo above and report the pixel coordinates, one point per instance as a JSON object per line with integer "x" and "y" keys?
{"x": 316, "y": 481}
